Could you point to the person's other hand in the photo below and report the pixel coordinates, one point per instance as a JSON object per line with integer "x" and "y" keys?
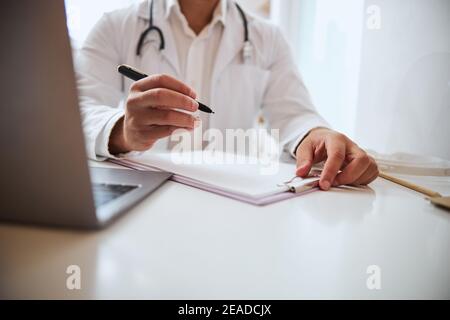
{"x": 151, "y": 113}
{"x": 339, "y": 153}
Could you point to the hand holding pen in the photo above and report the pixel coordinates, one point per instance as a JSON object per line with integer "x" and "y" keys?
{"x": 136, "y": 75}
{"x": 151, "y": 111}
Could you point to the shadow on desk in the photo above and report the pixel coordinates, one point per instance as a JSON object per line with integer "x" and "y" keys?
{"x": 41, "y": 257}
{"x": 343, "y": 208}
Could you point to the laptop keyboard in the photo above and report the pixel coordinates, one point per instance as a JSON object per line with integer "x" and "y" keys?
{"x": 104, "y": 193}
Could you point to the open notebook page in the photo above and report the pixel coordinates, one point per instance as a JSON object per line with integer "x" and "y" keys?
{"x": 244, "y": 175}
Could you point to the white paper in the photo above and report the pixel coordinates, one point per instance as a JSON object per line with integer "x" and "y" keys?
{"x": 246, "y": 176}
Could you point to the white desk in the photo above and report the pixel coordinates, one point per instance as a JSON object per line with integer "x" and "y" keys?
{"x": 183, "y": 243}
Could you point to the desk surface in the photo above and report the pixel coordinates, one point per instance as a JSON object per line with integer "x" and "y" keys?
{"x": 183, "y": 243}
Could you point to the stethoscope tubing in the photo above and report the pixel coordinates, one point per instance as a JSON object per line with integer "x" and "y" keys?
{"x": 162, "y": 44}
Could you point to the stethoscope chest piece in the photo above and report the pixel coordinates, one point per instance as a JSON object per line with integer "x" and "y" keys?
{"x": 247, "y": 51}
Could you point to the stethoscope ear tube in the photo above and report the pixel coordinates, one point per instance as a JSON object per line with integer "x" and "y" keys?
{"x": 244, "y": 21}
{"x": 144, "y": 35}
{"x": 150, "y": 28}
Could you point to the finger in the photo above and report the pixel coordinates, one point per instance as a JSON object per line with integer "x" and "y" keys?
{"x": 305, "y": 158}
{"x": 164, "y": 81}
{"x": 166, "y": 117}
{"x": 369, "y": 175}
{"x": 163, "y": 98}
{"x": 371, "y": 179}
{"x": 158, "y": 132}
{"x": 335, "y": 159}
{"x": 144, "y": 139}
{"x": 355, "y": 169}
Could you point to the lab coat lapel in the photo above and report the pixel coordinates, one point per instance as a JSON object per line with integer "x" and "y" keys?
{"x": 170, "y": 51}
{"x": 159, "y": 20}
{"x": 231, "y": 43}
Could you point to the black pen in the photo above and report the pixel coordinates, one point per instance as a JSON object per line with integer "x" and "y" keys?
{"x": 135, "y": 75}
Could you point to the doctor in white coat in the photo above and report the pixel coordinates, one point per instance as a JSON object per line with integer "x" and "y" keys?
{"x": 212, "y": 51}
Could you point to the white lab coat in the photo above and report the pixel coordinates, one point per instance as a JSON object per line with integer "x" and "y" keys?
{"x": 269, "y": 83}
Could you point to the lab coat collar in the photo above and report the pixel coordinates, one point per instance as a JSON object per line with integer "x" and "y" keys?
{"x": 173, "y": 11}
{"x": 159, "y": 9}
{"x": 232, "y": 40}
{"x": 163, "y": 8}
{"x": 219, "y": 14}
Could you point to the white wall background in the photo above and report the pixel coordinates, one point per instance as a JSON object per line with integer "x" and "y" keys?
{"x": 326, "y": 38}
{"x": 404, "y": 96}
{"x": 83, "y": 14}
{"x": 387, "y": 87}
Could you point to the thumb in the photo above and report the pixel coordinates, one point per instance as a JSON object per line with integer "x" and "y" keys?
{"x": 305, "y": 157}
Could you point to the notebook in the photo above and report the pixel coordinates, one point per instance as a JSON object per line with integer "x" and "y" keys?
{"x": 243, "y": 178}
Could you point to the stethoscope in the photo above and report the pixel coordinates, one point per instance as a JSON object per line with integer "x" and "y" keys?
{"x": 246, "y": 51}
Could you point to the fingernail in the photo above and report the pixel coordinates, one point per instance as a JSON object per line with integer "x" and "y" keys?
{"x": 326, "y": 185}
{"x": 304, "y": 163}
{"x": 302, "y": 166}
{"x": 195, "y": 105}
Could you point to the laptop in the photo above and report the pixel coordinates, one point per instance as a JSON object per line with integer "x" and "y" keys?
{"x": 45, "y": 177}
